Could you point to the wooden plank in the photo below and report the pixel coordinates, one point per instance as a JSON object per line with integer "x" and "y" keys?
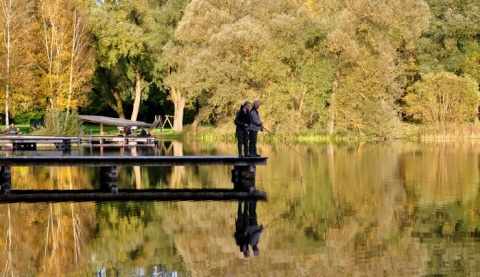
{"x": 129, "y": 195}
{"x": 89, "y": 161}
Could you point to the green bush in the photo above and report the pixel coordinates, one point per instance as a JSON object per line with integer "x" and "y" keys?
{"x": 24, "y": 118}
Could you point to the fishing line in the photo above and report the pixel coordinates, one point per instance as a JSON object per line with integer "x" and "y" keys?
{"x": 271, "y": 133}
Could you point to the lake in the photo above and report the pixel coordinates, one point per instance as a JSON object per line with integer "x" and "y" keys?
{"x": 357, "y": 209}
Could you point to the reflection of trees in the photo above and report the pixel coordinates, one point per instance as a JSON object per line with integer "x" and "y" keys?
{"x": 129, "y": 236}
{"x": 442, "y": 181}
{"x": 47, "y": 238}
{"x": 440, "y": 173}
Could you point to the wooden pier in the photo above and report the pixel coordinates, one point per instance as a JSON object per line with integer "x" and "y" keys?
{"x": 243, "y": 178}
{"x": 31, "y": 142}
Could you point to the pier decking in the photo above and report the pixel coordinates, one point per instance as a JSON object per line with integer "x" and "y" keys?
{"x": 243, "y": 178}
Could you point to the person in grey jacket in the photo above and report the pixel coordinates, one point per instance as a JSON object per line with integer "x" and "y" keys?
{"x": 255, "y": 126}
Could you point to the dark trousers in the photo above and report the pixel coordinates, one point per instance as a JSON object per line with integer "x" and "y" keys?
{"x": 252, "y": 137}
{"x": 242, "y": 140}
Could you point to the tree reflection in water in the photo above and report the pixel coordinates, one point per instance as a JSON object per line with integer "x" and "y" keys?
{"x": 400, "y": 209}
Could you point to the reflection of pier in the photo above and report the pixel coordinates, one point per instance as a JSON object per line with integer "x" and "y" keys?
{"x": 243, "y": 177}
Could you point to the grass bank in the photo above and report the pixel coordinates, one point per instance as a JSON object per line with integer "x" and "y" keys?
{"x": 405, "y": 131}
{"x": 463, "y": 131}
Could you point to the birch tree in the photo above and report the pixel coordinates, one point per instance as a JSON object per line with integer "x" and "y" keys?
{"x": 64, "y": 58}
{"x": 15, "y": 23}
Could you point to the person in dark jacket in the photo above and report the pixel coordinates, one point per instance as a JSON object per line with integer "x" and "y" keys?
{"x": 242, "y": 121}
{"x": 255, "y": 126}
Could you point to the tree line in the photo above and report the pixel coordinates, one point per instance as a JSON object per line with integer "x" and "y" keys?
{"x": 356, "y": 67}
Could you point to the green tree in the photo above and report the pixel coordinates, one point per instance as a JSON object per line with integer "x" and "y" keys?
{"x": 451, "y": 41}
{"x": 225, "y": 53}
{"x": 119, "y": 39}
{"x": 441, "y": 98}
{"x": 129, "y": 36}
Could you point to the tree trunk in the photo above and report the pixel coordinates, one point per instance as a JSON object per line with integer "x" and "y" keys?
{"x": 118, "y": 107}
{"x": 179, "y": 104}
{"x": 331, "y": 121}
{"x": 138, "y": 94}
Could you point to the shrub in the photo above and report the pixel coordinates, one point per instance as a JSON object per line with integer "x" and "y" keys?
{"x": 59, "y": 123}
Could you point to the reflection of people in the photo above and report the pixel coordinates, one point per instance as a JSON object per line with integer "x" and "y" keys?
{"x": 242, "y": 121}
{"x": 253, "y": 129}
{"x": 247, "y": 231}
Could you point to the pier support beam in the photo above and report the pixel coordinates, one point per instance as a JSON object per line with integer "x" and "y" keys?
{"x": 66, "y": 144}
{"x": 109, "y": 178}
{"x": 5, "y": 179}
{"x": 243, "y": 178}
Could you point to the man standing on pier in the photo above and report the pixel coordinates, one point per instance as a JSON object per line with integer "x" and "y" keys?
{"x": 255, "y": 126}
{"x": 242, "y": 121}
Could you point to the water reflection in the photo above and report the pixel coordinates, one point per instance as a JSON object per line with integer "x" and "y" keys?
{"x": 356, "y": 210}
{"x": 247, "y": 231}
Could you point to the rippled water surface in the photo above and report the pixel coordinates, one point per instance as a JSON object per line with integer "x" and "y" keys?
{"x": 399, "y": 209}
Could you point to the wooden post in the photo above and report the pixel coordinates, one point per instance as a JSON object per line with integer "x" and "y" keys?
{"x": 101, "y": 129}
{"x": 109, "y": 178}
{"x": 243, "y": 178}
{"x": 5, "y": 179}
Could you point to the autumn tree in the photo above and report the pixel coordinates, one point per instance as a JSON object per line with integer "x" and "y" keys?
{"x": 63, "y": 56}
{"x": 366, "y": 41}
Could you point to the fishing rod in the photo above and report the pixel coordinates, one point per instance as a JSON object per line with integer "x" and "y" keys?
{"x": 271, "y": 133}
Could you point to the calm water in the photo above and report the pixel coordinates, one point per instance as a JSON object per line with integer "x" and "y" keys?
{"x": 353, "y": 210}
